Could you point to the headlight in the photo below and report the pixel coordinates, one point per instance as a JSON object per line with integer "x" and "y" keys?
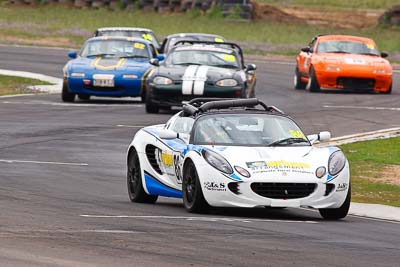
{"x": 226, "y": 83}
{"x": 332, "y": 68}
{"x": 242, "y": 171}
{"x": 77, "y": 74}
{"x": 162, "y": 80}
{"x": 217, "y": 161}
{"x": 320, "y": 172}
{"x": 129, "y": 76}
{"x": 336, "y": 162}
{"x": 379, "y": 71}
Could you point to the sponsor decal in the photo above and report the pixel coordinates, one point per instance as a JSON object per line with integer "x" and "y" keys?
{"x": 147, "y": 37}
{"x": 297, "y": 134}
{"x": 139, "y": 46}
{"x": 212, "y": 186}
{"x": 341, "y": 187}
{"x": 279, "y": 166}
{"x": 178, "y": 166}
{"x": 167, "y": 159}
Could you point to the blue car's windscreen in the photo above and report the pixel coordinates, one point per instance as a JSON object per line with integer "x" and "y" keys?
{"x": 149, "y": 36}
{"x": 115, "y": 48}
{"x": 247, "y": 130}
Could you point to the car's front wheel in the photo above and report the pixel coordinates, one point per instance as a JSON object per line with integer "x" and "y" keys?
{"x": 150, "y": 106}
{"x": 66, "y": 95}
{"x": 298, "y": 84}
{"x": 312, "y": 84}
{"x": 134, "y": 180}
{"x": 193, "y": 198}
{"x": 338, "y": 213}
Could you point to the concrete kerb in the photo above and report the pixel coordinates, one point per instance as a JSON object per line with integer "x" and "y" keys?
{"x": 358, "y": 209}
{"x": 54, "y": 88}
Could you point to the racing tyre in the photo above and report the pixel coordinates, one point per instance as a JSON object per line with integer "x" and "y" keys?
{"x": 298, "y": 84}
{"x": 388, "y": 91}
{"x": 66, "y": 95}
{"x": 150, "y": 106}
{"x": 312, "y": 84}
{"x": 134, "y": 180}
{"x": 193, "y": 198}
{"x": 339, "y": 213}
{"x": 84, "y": 97}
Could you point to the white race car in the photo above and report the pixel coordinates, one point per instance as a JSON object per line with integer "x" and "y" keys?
{"x": 229, "y": 153}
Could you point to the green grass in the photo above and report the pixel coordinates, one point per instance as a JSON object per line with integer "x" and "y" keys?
{"x": 367, "y": 162}
{"x": 68, "y": 27}
{"x": 365, "y": 4}
{"x": 10, "y": 85}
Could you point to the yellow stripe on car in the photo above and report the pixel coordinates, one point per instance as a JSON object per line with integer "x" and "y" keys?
{"x": 97, "y": 64}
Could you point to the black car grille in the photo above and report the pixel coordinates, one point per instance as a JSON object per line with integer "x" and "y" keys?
{"x": 356, "y": 84}
{"x": 283, "y": 190}
{"x": 151, "y": 156}
{"x": 104, "y": 89}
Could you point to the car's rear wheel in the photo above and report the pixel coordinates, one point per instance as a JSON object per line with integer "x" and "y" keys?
{"x": 134, "y": 181}
{"x": 312, "y": 84}
{"x": 339, "y": 213}
{"x": 150, "y": 106}
{"x": 84, "y": 97}
{"x": 298, "y": 84}
{"x": 193, "y": 198}
{"x": 66, "y": 95}
{"x": 388, "y": 91}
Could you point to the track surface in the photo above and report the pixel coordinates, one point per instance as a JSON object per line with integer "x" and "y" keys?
{"x": 60, "y": 161}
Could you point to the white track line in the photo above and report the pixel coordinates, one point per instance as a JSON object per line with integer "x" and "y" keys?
{"x": 363, "y": 107}
{"x": 70, "y": 104}
{"x": 194, "y": 218}
{"x": 43, "y": 162}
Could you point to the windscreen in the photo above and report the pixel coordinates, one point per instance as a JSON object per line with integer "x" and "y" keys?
{"x": 248, "y": 130}
{"x": 351, "y": 47}
{"x": 149, "y": 36}
{"x": 115, "y": 48}
{"x": 203, "y": 57}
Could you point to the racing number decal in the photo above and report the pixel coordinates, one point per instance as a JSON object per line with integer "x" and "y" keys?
{"x": 230, "y": 58}
{"x": 218, "y": 40}
{"x": 177, "y": 160}
{"x": 147, "y": 36}
{"x": 138, "y": 45}
{"x": 296, "y": 134}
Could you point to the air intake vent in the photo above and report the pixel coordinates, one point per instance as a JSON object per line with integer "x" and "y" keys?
{"x": 151, "y": 156}
{"x": 283, "y": 190}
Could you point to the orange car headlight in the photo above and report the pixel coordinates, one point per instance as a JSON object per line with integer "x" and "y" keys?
{"x": 332, "y": 68}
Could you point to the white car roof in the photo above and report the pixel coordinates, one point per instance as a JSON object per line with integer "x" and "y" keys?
{"x": 123, "y": 29}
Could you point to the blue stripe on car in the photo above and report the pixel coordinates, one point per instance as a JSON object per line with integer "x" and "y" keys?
{"x": 155, "y": 187}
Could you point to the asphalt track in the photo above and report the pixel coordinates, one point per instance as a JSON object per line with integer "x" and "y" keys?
{"x": 63, "y": 197}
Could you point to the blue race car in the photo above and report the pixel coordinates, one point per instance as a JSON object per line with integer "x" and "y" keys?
{"x": 109, "y": 67}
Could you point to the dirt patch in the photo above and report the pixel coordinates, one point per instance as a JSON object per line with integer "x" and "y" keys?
{"x": 318, "y": 16}
{"x": 390, "y": 174}
{"x": 45, "y": 41}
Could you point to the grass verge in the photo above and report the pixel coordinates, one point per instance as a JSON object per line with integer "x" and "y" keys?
{"x": 11, "y": 85}
{"x": 375, "y": 171}
{"x": 70, "y": 27}
{"x": 365, "y": 4}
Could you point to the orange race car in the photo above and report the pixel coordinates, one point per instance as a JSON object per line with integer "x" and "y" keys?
{"x": 343, "y": 62}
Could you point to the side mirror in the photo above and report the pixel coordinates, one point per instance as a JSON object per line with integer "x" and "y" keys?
{"x": 251, "y": 67}
{"x": 160, "y": 57}
{"x": 167, "y": 134}
{"x": 306, "y": 49}
{"x": 72, "y": 54}
{"x": 384, "y": 54}
{"x": 322, "y": 137}
{"x": 155, "y": 62}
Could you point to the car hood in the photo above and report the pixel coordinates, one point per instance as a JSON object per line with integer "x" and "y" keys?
{"x": 192, "y": 72}
{"x": 351, "y": 59}
{"x": 109, "y": 64}
{"x": 264, "y": 161}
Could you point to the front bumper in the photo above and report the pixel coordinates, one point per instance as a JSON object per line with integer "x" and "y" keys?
{"x": 219, "y": 193}
{"x": 122, "y": 87}
{"x": 171, "y": 95}
{"x": 361, "y": 81}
